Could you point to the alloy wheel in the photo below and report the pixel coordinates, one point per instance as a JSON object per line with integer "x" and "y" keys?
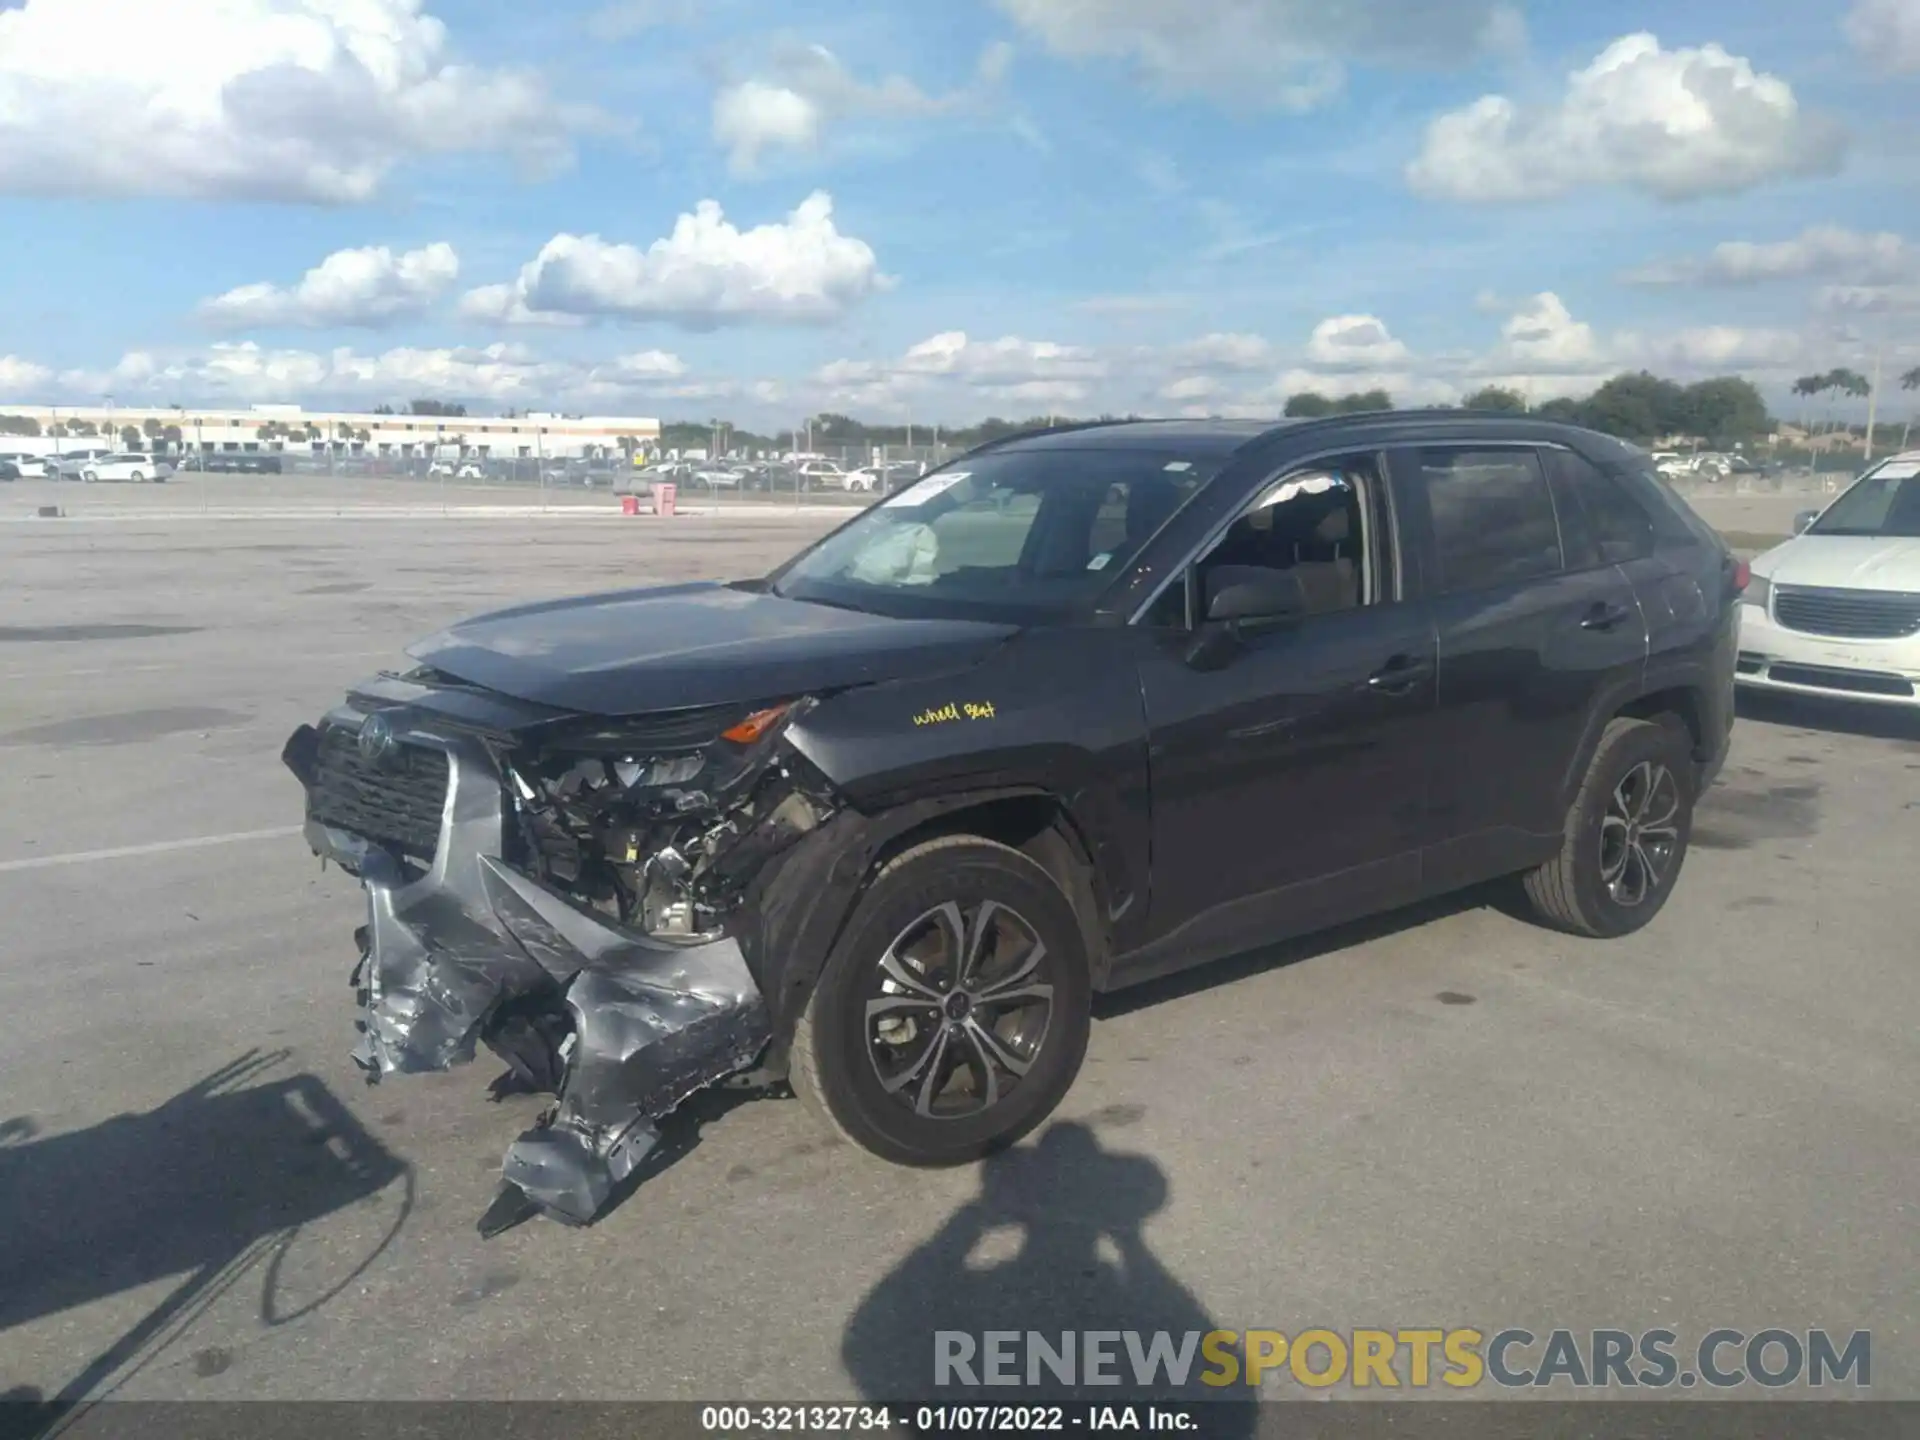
{"x": 958, "y": 1008}
{"x": 1640, "y": 834}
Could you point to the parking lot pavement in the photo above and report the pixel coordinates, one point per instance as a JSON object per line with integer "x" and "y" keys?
{"x": 1449, "y": 1117}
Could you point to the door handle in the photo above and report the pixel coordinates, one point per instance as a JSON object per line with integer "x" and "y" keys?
{"x": 1399, "y": 675}
{"x": 1605, "y": 615}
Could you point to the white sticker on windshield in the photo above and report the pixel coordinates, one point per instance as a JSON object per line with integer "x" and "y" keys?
{"x": 922, "y": 491}
{"x": 1100, "y": 562}
{"x": 1179, "y": 465}
{"x": 1898, "y": 470}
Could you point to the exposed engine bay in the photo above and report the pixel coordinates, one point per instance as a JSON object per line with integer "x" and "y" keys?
{"x": 564, "y": 891}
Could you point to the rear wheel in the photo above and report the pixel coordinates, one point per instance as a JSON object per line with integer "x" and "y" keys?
{"x": 1626, "y": 834}
{"x": 952, "y": 1017}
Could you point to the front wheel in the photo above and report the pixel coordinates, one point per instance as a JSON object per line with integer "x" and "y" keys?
{"x": 1626, "y": 834}
{"x": 137, "y": 477}
{"x": 953, "y": 1015}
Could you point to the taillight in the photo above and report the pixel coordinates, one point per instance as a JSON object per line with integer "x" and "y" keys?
{"x": 1742, "y": 574}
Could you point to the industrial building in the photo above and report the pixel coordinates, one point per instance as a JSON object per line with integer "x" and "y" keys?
{"x": 292, "y": 430}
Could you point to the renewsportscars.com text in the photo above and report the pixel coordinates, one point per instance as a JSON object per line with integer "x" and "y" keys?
{"x": 1461, "y": 1359}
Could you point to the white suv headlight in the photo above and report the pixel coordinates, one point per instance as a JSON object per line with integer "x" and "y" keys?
{"x": 1759, "y": 591}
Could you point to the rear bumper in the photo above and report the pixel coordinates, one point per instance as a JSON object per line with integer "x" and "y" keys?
{"x": 1772, "y": 657}
{"x": 470, "y": 949}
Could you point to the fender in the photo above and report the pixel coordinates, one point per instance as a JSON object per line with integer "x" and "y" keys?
{"x": 1052, "y": 717}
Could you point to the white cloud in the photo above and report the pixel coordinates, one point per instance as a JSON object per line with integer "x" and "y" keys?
{"x": 1871, "y": 299}
{"x": 1543, "y": 336}
{"x": 369, "y": 287}
{"x": 20, "y": 378}
{"x": 1223, "y": 351}
{"x": 1824, "y": 251}
{"x": 624, "y": 19}
{"x": 1281, "y": 54}
{"x": 507, "y": 305}
{"x": 809, "y": 89}
{"x": 1039, "y": 373}
{"x": 1715, "y": 349}
{"x": 1009, "y": 362}
{"x": 293, "y": 100}
{"x": 643, "y": 366}
{"x": 493, "y": 376}
{"x": 755, "y": 116}
{"x": 1354, "y": 343}
{"x": 708, "y": 272}
{"x": 1676, "y": 124}
{"x": 1190, "y": 389}
{"x": 1887, "y": 32}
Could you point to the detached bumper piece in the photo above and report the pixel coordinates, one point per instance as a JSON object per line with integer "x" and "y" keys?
{"x": 468, "y": 950}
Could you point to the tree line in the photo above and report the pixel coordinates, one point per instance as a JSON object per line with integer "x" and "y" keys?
{"x": 1640, "y": 407}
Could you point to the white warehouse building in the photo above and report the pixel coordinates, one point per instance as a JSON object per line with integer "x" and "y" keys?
{"x": 291, "y": 430}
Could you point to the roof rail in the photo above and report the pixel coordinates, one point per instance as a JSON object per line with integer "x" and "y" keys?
{"x": 1066, "y": 429}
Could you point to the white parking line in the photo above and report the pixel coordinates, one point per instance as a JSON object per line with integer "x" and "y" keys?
{"x": 158, "y": 847}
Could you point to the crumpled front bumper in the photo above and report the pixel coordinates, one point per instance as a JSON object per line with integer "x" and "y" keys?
{"x": 471, "y": 950}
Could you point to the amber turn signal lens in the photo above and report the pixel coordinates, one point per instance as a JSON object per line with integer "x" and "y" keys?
{"x": 754, "y": 726}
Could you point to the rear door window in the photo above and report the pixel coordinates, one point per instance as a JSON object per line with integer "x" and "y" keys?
{"x": 1602, "y": 523}
{"x": 1492, "y": 516}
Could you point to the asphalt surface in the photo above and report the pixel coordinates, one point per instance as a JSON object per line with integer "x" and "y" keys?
{"x": 1446, "y": 1117}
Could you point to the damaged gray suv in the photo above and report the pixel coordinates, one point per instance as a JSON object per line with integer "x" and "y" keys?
{"x": 1082, "y": 708}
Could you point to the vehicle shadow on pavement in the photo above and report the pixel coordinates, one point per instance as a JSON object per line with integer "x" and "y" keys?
{"x": 1863, "y": 718}
{"x": 1052, "y": 1244}
{"x": 211, "y": 1186}
{"x": 1493, "y": 895}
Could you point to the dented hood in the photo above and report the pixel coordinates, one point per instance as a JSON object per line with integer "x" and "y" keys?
{"x": 681, "y": 646}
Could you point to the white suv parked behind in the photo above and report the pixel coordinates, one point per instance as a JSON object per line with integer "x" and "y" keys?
{"x": 133, "y": 467}
{"x": 1836, "y": 610}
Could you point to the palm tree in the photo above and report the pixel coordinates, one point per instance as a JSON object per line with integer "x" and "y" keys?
{"x": 1909, "y": 381}
{"x": 1806, "y": 387}
{"x": 1850, "y": 383}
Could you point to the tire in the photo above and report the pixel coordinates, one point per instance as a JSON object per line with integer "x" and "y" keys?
{"x": 136, "y": 477}
{"x": 1590, "y": 887}
{"x": 840, "y": 1066}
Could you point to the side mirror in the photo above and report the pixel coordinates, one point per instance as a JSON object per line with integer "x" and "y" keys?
{"x": 1803, "y": 520}
{"x": 1239, "y": 593}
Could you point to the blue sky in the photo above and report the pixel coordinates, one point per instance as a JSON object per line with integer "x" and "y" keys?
{"x": 715, "y": 207}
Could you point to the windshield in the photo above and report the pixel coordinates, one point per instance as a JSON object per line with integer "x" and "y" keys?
{"x": 1011, "y": 533}
{"x": 1885, "y": 502}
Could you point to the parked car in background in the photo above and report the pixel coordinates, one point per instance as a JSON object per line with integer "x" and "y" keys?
{"x": 69, "y": 465}
{"x": 823, "y": 474}
{"x": 470, "y": 471}
{"x": 885, "y": 477}
{"x": 9, "y": 470}
{"x": 714, "y": 477}
{"x": 778, "y": 478}
{"x": 129, "y": 466}
{"x": 1836, "y": 610}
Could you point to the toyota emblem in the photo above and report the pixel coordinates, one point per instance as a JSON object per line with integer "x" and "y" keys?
{"x": 378, "y": 744}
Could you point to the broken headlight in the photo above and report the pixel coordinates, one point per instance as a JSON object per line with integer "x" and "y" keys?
{"x": 626, "y": 815}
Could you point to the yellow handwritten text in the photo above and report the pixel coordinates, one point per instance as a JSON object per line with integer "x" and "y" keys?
{"x": 945, "y": 714}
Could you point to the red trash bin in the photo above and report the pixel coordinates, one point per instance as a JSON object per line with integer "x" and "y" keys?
{"x": 663, "y": 497}
{"x": 629, "y": 504}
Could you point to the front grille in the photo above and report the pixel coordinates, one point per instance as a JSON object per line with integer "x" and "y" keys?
{"x": 1856, "y": 682}
{"x": 1848, "y": 614}
{"x": 397, "y": 803}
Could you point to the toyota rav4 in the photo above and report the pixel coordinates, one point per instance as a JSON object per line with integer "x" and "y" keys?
{"x": 1084, "y": 707}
